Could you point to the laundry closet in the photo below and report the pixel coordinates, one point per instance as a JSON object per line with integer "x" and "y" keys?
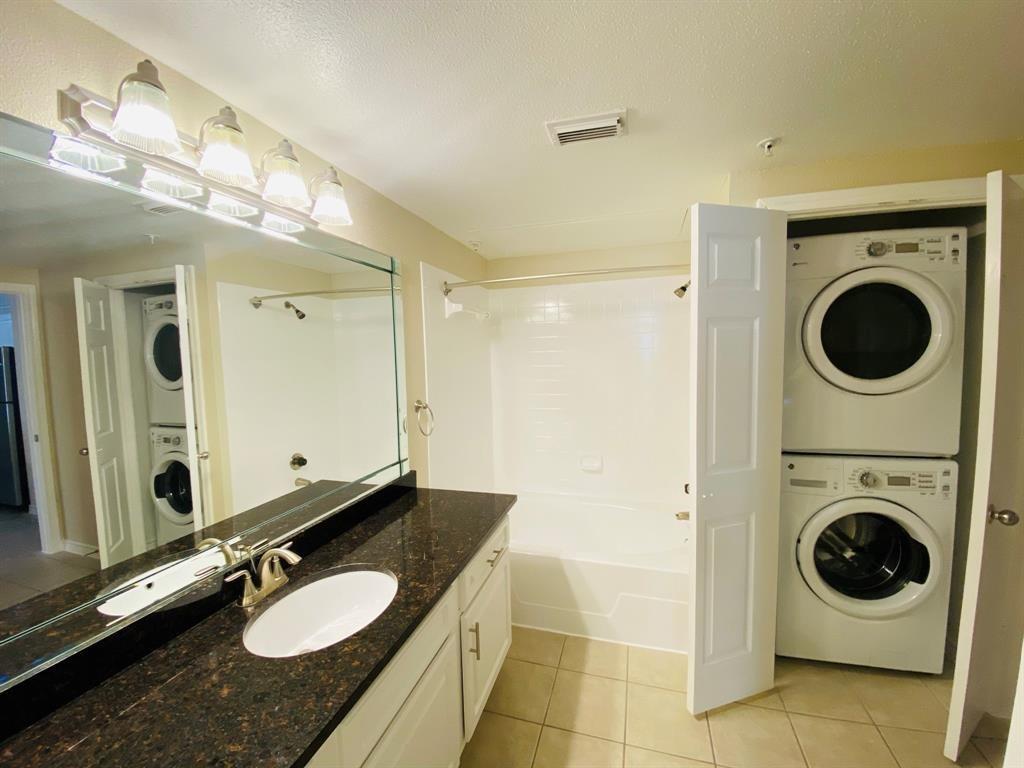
{"x": 900, "y": 387}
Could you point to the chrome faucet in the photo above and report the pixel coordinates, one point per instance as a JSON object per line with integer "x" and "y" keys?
{"x": 271, "y": 575}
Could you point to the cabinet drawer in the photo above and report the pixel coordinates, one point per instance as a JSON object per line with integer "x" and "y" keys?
{"x": 363, "y": 727}
{"x": 480, "y": 567}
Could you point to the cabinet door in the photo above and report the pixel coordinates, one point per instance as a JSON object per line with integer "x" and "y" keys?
{"x": 426, "y": 733}
{"x": 486, "y": 637}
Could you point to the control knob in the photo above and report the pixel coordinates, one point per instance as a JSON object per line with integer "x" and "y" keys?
{"x": 878, "y": 248}
{"x": 868, "y": 480}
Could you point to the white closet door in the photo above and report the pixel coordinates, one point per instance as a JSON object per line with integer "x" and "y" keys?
{"x": 738, "y": 263}
{"x": 120, "y": 533}
{"x": 191, "y": 386}
{"x": 992, "y": 617}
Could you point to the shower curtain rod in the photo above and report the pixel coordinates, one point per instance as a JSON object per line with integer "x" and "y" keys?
{"x": 449, "y": 287}
{"x": 257, "y": 301}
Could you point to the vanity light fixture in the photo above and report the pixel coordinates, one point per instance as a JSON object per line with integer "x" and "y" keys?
{"x": 330, "y": 206}
{"x": 229, "y": 206}
{"x": 223, "y": 155}
{"x": 168, "y": 184}
{"x": 280, "y": 224}
{"x": 85, "y": 156}
{"x": 283, "y": 184}
{"x": 142, "y": 116}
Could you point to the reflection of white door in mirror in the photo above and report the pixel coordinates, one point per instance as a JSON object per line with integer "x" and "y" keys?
{"x": 191, "y": 385}
{"x": 114, "y": 488}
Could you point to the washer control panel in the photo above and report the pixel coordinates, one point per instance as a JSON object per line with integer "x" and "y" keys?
{"x": 936, "y": 249}
{"x": 851, "y": 476}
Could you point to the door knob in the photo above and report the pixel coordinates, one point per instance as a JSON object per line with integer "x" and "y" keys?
{"x": 1004, "y": 516}
{"x": 83, "y": 451}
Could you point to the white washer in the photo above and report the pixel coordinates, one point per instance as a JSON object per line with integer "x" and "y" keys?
{"x": 162, "y": 350}
{"x": 170, "y": 484}
{"x": 866, "y": 547}
{"x": 875, "y": 342}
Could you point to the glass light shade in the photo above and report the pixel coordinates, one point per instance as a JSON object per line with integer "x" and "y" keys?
{"x": 142, "y": 118}
{"x": 281, "y": 224}
{"x": 230, "y": 206}
{"x": 164, "y": 183}
{"x": 283, "y": 183}
{"x": 85, "y": 156}
{"x": 223, "y": 153}
{"x": 330, "y": 206}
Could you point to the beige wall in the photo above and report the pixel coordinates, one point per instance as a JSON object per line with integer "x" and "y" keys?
{"x": 923, "y": 164}
{"x": 46, "y": 47}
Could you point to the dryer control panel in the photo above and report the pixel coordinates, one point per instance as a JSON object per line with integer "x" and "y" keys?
{"x": 937, "y": 249}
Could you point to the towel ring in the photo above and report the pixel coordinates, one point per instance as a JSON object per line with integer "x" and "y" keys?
{"x": 419, "y": 406}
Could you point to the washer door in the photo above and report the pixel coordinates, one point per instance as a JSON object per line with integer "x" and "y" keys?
{"x": 163, "y": 352}
{"x": 878, "y": 330}
{"x": 869, "y": 558}
{"x": 171, "y": 488}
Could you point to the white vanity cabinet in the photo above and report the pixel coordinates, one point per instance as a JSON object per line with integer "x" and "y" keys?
{"x": 424, "y": 706}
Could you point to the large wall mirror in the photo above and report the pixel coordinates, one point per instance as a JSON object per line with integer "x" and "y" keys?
{"x": 169, "y": 380}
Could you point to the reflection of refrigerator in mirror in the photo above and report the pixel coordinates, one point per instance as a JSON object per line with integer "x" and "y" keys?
{"x": 13, "y": 474}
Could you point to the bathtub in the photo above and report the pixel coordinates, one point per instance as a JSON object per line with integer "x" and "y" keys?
{"x": 609, "y": 571}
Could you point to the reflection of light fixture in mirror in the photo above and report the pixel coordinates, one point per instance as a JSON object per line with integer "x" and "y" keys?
{"x": 85, "y": 156}
{"x": 280, "y": 224}
{"x": 230, "y": 206}
{"x": 223, "y": 153}
{"x": 142, "y": 117}
{"x": 168, "y": 184}
{"x": 330, "y": 206}
{"x": 282, "y": 177}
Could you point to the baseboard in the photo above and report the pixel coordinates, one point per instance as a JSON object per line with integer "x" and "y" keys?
{"x": 78, "y": 548}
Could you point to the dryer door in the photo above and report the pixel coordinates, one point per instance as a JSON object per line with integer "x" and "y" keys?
{"x": 163, "y": 351}
{"x": 171, "y": 487}
{"x": 869, "y": 557}
{"x": 878, "y": 330}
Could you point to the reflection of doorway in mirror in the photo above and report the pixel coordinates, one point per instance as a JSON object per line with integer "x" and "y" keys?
{"x": 136, "y": 379}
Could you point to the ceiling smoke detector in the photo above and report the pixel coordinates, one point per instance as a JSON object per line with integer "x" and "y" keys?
{"x": 587, "y": 128}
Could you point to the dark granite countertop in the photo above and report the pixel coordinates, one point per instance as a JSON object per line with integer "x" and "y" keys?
{"x": 204, "y": 700}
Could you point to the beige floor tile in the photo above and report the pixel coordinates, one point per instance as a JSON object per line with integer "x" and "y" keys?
{"x": 810, "y": 688}
{"x": 536, "y": 645}
{"x": 941, "y": 688}
{"x": 522, "y": 690}
{"x": 657, "y": 719}
{"x": 661, "y": 669}
{"x": 595, "y": 657}
{"x": 503, "y": 741}
{"x": 767, "y": 700}
{"x": 921, "y": 749}
{"x": 587, "y": 704}
{"x": 753, "y": 737}
{"x": 840, "y": 744}
{"x": 994, "y": 751}
{"x": 645, "y": 758}
{"x": 992, "y": 728}
{"x": 898, "y": 700}
{"x": 561, "y": 749}
{"x": 12, "y": 594}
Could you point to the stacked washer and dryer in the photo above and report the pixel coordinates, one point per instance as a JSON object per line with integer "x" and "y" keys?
{"x": 170, "y": 485}
{"x": 871, "y": 419}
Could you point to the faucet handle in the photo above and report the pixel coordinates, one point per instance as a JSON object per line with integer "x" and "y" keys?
{"x": 249, "y": 591}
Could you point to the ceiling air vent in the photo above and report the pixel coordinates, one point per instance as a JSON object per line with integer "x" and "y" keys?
{"x": 586, "y": 128}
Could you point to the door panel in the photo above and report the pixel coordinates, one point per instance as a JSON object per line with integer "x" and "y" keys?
{"x": 191, "y": 386}
{"x": 120, "y": 536}
{"x": 486, "y": 637}
{"x": 738, "y": 309}
{"x": 992, "y": 616}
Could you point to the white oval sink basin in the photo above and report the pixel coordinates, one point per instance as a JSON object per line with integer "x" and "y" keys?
{"x": 321, "y": 613}
{"x": 157, "y": 583}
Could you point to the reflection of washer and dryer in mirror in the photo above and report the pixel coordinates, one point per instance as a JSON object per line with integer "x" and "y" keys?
{"x": 133, "y": 376}
{"x": 871, "y": 416}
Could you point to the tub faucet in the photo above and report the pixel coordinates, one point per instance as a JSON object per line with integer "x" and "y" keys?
{"x": 271, "y": 575}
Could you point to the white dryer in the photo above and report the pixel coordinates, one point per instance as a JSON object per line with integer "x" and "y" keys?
{"x": 866, "y": 549}
{"x": 875, "y": 342}
{"x": 170, "y": 483}
{"x": 162, "y": 351}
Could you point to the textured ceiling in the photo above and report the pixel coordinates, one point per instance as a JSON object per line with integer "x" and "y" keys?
{"x": 441, "y": 105}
